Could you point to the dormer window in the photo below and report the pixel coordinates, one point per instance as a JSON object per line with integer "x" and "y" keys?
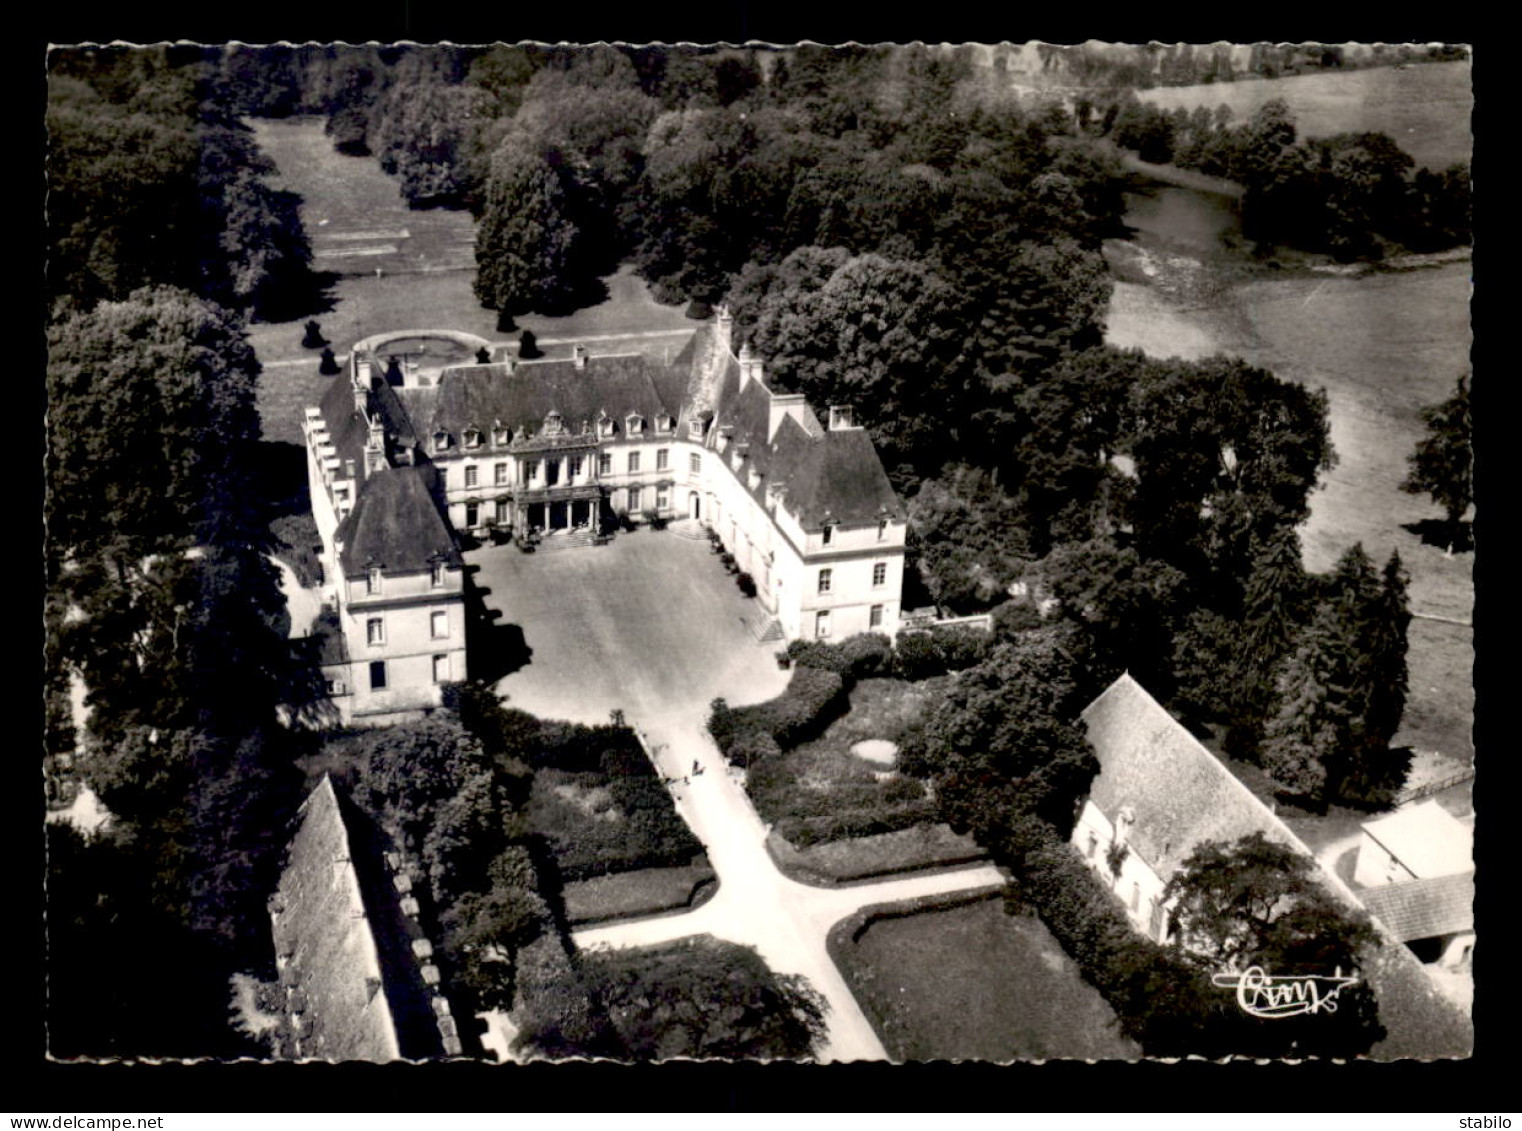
{"x": 373, "y": 580}
{"x": 472, "y": 437}
{"x": 440, "y": 441}
{"x": 499, "y": 434}
{"x": 882, "y": 530}
{"x": 605, "y": 426}
{"x": 827, "y": 535}
{"x": 436, "y": 575}
{"x": 552, "y": 424}
{"x": 664, "y": 424}
{"x": 695, "y": 429}
{"x": 635, "y": 424}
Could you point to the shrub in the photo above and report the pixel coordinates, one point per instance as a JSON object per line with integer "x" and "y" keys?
{"x": 329, "y": 365}
{"x": 917, "y": 657}
{"x": 654, "y": 518}
{"x": 313, "y": 338}
{"x": 721, "y": 723}
{"x": 813, "y": 700}
{"x": 747, "y": 584}
{"x": 1014, "y": 617}
{"x": 528, "y": 346}
{"x": 867, "y": 655}
{"x": 961, "y": 647}
{"x": 805, "y": 832}
{"x": 752, "y": 749}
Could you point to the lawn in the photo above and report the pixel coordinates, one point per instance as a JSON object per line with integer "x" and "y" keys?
{"x": 969, "y": 982}
{"x": 349, "y": 204}
{"x": 822, "y": 791}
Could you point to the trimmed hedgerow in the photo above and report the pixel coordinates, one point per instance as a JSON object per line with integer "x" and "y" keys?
{"x": 813, "y": 698}
{"x": 864, "y": 656}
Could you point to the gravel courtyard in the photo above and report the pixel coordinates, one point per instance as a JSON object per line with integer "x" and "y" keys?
{"x": 649, "y": 624}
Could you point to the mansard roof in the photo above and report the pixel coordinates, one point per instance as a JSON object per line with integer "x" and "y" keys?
{"x": 396, "y": 525}
{"x": 522, "y": 396}
{"x": 349, "y": 430}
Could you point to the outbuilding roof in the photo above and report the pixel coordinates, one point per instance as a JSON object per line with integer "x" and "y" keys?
{"x": 1427, "y": 839}
{"x": 1424, "y": 909}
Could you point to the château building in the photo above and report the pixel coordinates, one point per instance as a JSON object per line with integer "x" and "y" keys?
{"x": 421, "y": 436}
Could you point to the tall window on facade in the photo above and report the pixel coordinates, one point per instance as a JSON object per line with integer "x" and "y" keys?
{"x": 499, "y": 474}
{"x": 443, "y": 477}
{"x": 375, "y": 631}
{"x": 504, "y": 511}
{"x": 827, "y": 535}
{"x": 633, "y": 461}
{"x": 575, "y": 463}
{"x": 876, "y": 618}
{"x": 530, "y": 470}
{"x": 634, "y": 496}
{"x": 880, "y": 573}
{"x": 378, "y": 675}
{"x": 436, "y": 576}
{"x": 605, "y": 463}
{"x": 695, "y": 463}
{"x": 373, "y": 580}
{"x": 472, "y": 475}
{"x": 662, "y": 459}
{"x": 441, "y": 669}
{"x": 822, "y": 624}
{"x": 439, "y": 624}
{"x": 472, "y": 514}
{"x": 825, "y": 578}
{"x": 882, "y": 530}
{"x": 662, "y": 498}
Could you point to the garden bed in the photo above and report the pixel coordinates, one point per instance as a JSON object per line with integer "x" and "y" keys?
{"x": 867, "y": 857}
{"x": 640, "y": 894}
{"x": 822, "y": 791}
{"x": 956, "y": 978}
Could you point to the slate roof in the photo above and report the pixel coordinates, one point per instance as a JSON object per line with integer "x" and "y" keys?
{"x": 1181, "y": 794}
{"x": 396, "y": 524}
{"x": 1426, "y": 838}
{"x": 349, "y": 431}
{"x": 1424, "y": 909}
{"x": 329, "y": 962}
{"x": 522, "y": 396}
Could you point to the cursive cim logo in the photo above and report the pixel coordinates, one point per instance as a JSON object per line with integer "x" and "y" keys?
{"x": 1287, "y": 995}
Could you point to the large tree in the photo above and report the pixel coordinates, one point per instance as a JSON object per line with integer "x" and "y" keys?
{"x": 528, "y": 248}
{"x": 1442, "y": 465}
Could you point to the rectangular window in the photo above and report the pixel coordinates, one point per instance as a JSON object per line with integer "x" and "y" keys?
{"x": 662, "y": 498}
{"x": 825, "y": 578}
{"x": 633, "y": 461}
{"x": 827, "y": 534}
{"x": 373, "y": 580}
{"x": 375, "y": 631}
{"x": 443, "y": 476}
{"x": 876, "y": 618}
{"x": 576, "y": 467}
{"x": 822, "y": 624}
{"x": 439, "y": 624}
{"x": 378, "y": 675}
{"x": 441, "y": 669}
{"x": 530, "y": 470}
{"x": 882, "y": 531}
{"x": 695, "y": 464}
{"x": 605, "y": 463}
{"x": 695, "y": 429}
{"x": 634, "y": 495}
{"x": 472, "y": 475}
{"x": 504, "y": 511}
{"x": 880, "y": 573}
{"x": 499, "y": 474}
{"x": 437, "y": 576}
{"x": 472, "y": 514}
{"x": 662, "y": 459}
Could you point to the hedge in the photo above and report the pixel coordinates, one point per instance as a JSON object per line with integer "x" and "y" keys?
{"x": 812, "y": 700}
{"x": 863, "y": 656}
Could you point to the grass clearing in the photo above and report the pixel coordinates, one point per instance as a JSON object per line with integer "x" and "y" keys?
{"x": 968, "y": 981}
{"x": 636, "y": 895}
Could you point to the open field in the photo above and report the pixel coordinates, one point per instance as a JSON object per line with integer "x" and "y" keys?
{"x": 1414, "y": 105}
{"x": 970, "y": 982}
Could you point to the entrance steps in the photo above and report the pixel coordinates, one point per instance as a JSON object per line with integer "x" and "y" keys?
{"x": 565, "y": 539}
{"x": 761, "y": 624}
{"x": 688, "y": 528}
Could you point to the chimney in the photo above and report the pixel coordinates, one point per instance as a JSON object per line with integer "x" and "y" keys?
{"x": 579, "y": 356}
{"x": 750, "y": 365}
